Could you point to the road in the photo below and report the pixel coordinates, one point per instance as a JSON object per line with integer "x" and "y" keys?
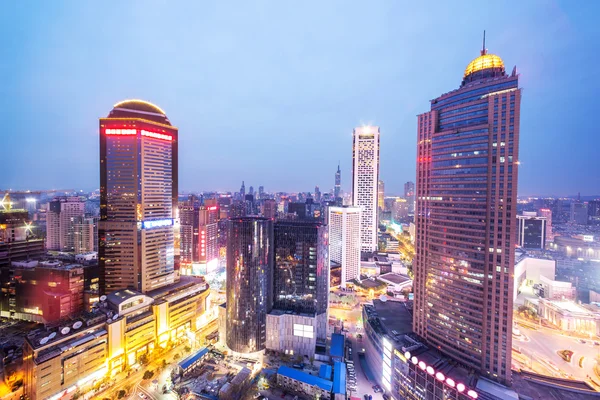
{"x": 363, "y": 385}
{"x": 539, "y": 353}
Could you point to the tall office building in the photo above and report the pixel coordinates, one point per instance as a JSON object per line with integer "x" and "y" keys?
{"x": 138, "y": 197}
{"x": 337, "y": 189}
{"x": 365, "y": 176}
{"x": 547, "y": 213}
{"x": 300, "y": 288}
{"x": 188, "y": 226}
{"x": 300, "y": 279}
{"x": 208, "y": 238}
{"x": 531, "y": 231}
{"x": 409, "y": 189}
{"x": 62, "y": 216}
{"x": 380, "y": 195}
{"x": 317, "y": 194}
{"x": 344, "y": 241}
{"x": 269, "y": 209}
{"x": 243, "y": 191}
{"x": 579, "y": 212}
{"x": 261, "y": 192}
{"x": 466, "y": 204}
{"x": 249, "y": 282}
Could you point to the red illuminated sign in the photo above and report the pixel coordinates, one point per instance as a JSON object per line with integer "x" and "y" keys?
{"x": 120, "y": 131}
{"x": 212, "y": 208}
{"x": 155, "y": 135}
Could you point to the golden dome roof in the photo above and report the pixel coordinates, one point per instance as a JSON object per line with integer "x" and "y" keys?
{"x": 482, "y": 62}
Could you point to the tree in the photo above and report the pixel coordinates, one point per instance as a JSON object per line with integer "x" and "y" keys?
{"x": 187, "y": 349}
{"x": 176, "y": 356}
{"x": 164, "y": 363}
{"x": 148, "y": 374}
{"x": 143, "y": 359}
{"x": 121, "y": 393}
{"x": 312, "y": 360}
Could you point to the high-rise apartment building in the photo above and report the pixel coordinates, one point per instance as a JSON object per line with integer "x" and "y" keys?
{"x": 344, "y": 241}
{"x": 249, "y": 282}
{"x": 138, "y": 197}
{"x": 547, "y": 213}
{"x": 466, "y": 204}
{"x": 380, "y": 195}
{"x": 62, "y": 216}
{"x": 365, "y": 176}
{"x": 531, "y": 231}
{"x": 85, "y": 232}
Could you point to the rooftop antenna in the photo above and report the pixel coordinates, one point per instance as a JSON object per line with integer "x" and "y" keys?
{"x": 483, "y": 50}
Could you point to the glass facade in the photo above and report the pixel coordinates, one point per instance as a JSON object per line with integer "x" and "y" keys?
{"x": 300, "y": 278}
{"x": 465, "y": 220}
{"x": 249, "y": 282}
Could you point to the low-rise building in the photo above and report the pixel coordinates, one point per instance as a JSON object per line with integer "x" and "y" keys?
{"x": 569, "y": 316}
{"x": 300, "y": 382}
{"x": 63, "y": 361}
{"x": 295, "y": 333}
{"x": 122, "y": 327}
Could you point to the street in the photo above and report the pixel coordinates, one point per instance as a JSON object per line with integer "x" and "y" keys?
{"x": 539, "y": 353}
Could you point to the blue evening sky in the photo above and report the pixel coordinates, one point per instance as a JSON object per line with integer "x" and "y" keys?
{"x": 269, "y": 92}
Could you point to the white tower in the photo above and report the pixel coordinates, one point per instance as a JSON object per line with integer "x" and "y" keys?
{"x": 344, "y": 241}
{"x": 365, "y": 176}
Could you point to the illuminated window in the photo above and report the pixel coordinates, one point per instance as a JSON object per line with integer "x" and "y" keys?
{"x": 303, "y": 331}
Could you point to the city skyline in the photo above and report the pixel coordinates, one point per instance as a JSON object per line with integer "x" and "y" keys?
{"x": 288, "y": 91}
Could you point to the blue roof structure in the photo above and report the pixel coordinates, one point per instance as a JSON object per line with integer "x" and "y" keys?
{"x": 191, "y": 360}
{"x": 337, "y": 345}
{"x": 325, "y": 371}
{"x": 339, "y": 378}
{"x": 305, "y": 378}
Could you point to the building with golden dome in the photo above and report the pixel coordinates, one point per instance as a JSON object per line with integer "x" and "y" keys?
{"x": 467, "y": 163}
{"x": 138, "y": 198}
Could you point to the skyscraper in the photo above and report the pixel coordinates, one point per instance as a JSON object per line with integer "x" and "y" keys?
{"x": 344, "y": 241}
{"x": 300, "y": 278}
{"x": 243, "y": 191}
{"x": 365, "y": 176}
{"x": 249, "y": 282}
{"x": 317, "y": 194}
{"x": 138, "y": 197}
{"x": 188, "y": 226}
{"x": 409, "y": 189}
{"x": 269, "y": 208}
{"x": 547, "y": 213}
{"x": 300, "y": 288}
{"x": 62, "y": 216}
{"x": 208, "y": 235}
{"x": 380, "y": 195}
{"x": 531, "y": 231}
{"x": 467, "y": 162}
{"x": 337, "y": 189}
{"x": 579, "y": 212}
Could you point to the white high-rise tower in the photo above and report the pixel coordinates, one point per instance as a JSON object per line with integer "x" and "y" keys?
{"x": 365, "y": 176}
{"x": 344, "y": 241}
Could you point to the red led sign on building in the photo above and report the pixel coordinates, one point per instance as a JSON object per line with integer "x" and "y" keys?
{"x": 143, "y": 132}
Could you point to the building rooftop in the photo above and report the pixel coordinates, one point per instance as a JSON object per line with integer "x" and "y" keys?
{"x": 393, "y": 315}
{"x": 337, "y": 345}
{"x": 394, "y": 278}
{"x": 325, "y": 371}
{"x": 141, "y": 109}
{"x": 305, "y": 378}
{"x": 568, "y": 306}
{"x": 339, "y": 378}
{"x": 191, "y": 360}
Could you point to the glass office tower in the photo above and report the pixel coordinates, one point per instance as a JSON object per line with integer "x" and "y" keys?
{"x": 300, "y": 278}
{"x": 249, "y": 282}
{"x": 467, "y": 162}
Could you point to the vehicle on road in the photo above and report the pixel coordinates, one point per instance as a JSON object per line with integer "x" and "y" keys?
{"x": 142, "y": 395}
